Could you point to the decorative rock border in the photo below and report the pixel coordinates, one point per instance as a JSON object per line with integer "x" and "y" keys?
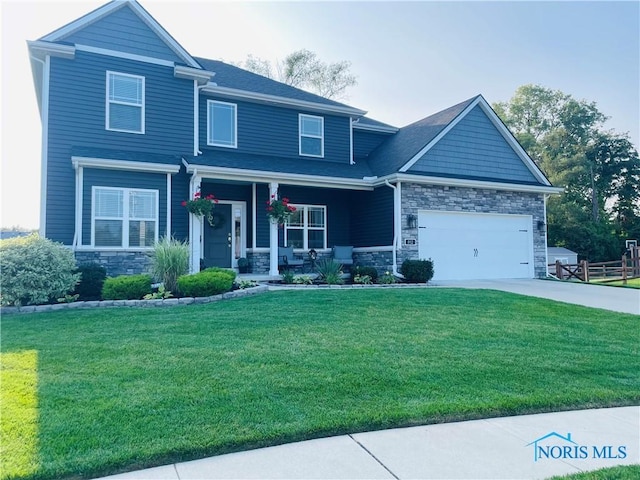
{"x": 167, "y": 302}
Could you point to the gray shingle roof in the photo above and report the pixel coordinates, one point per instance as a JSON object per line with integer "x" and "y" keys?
{"x": 244, "y": 161}
{"x": 231, "y": 76}
{"x": 398, "y": 149}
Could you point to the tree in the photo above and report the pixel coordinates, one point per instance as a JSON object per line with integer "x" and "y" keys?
{"x": 303, "y": 69}
{"x": 599, "y": 169}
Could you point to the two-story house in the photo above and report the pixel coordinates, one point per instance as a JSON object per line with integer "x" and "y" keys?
{"x": 133, "y": 125}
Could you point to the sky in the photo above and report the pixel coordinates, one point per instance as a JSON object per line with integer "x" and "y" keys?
{"x": 411, "y": 59}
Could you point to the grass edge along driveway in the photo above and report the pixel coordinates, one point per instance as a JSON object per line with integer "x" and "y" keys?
{"x": 121, "y": 389}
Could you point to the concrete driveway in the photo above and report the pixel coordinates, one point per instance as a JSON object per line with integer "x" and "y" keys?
{"x": 625, "y": 300}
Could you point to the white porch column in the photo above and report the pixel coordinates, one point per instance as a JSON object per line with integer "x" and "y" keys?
{"x": 273, "y": 236}
{"x": 195, "y": 228}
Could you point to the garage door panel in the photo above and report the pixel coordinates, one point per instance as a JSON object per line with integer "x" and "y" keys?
{"x": 476, "y": 245}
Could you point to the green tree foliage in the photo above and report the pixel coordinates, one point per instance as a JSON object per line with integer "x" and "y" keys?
{"x": 303, "y": 69}
{"x": 599, "y": 169}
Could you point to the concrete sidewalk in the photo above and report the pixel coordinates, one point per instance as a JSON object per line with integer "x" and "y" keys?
{"x": 625, "y": 300}
{"x": 520, "y": 447}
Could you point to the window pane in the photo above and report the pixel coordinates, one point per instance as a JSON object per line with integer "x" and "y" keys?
{"x": 316, "y": 217}
{"x": 295, "y": 238}
{"x": 311, "y": 146}
{"x": 296, "y": 219}
{"x": 222, "y": 124}
{"x": 125, "y": 89}
{"x": 316, "y": 238}
{"x": 125, "y": 117}
{"x": 311, "y": 126}
{"x": 108, "y": 233}
{"x": 109, "y": 203}
{"x": 142, "y": 205}
{"x": 142, "y": 233}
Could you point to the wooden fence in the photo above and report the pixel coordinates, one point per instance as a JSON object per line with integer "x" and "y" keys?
{"x": 623, "y": 269}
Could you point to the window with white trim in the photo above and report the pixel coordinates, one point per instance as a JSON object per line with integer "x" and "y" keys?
{"x": 222, "y": 124}
{"x": 125, "y": 103}
{"x": 124, "y": 217}
{"x": 307, "y": 227}
{"x": 311, "y": 131}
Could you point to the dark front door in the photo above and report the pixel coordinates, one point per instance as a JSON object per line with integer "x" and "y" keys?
{"x": 217, "y": 239}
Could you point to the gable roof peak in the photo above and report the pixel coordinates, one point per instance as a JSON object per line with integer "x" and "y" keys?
{"x": 61, "y": 33}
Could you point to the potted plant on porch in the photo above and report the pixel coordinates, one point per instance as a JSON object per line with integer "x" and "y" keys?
{"x": 279, "y": 211}
{"x": 202, "y": 207}
{"x": 243, "y": 265}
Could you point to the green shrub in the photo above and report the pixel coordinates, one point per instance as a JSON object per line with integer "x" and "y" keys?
{"x": 287, "y": 277}
{"x": 387, "y": 278}
{"x": 362, "y": 271}
{"x": 126, "y": 287}
{"x": 170, "y": 260}
{"x": 230, "y": 273}
{"x": 35, "y": 270}
{"x": 362, "y": 279}
{"x": 92, "y": 277}
{"x": 303, "y": 280}
{"x": 206, "y": 283}
{"x": 417, "y": 271}
{"x": 329, "y": 271}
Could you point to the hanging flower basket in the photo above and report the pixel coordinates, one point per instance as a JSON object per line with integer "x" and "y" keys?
{"x": 202, "y": 207}
{"x": 279, "y": 211}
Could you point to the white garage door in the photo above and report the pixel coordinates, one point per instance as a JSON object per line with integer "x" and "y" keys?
{"x": 467, "y": 246}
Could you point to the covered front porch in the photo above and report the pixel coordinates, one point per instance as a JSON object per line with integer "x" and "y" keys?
{"x": 326, "y": 215}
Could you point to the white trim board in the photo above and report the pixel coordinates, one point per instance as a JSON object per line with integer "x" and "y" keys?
{"x": 130, "y": 165}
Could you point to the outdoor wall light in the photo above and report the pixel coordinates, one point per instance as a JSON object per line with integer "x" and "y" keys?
{"x": 541, "y": 225}
{"x": 412, "y": 221}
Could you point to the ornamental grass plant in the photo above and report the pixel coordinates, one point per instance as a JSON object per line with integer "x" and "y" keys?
{"x": 170, "y": 260}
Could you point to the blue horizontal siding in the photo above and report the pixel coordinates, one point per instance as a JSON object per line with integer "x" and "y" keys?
{"x": 365, "y": 142}
{"x": 179, "y": 214}
{"x": 77, "y": 110}
{"x": 124, "y": 31}
{"x": 273, "y": 131}
{"x": 372, "y": 218}
{"x": 474, "y": 148}
{"x": 114, "y": 178}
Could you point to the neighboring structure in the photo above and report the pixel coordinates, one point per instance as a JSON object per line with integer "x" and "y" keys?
{"x": 561, "y": 254}
{"x": 133, "y": 125}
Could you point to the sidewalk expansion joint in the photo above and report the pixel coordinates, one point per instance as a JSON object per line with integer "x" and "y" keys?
{"x": 374, "y": 457}
{"x": 175, "y": 468}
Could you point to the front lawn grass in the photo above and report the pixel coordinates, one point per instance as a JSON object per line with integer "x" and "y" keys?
{"x": 123, "y": 388}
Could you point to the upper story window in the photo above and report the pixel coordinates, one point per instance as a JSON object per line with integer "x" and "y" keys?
{"x": 125, "y": 102}
{"x": 311, "y": 135}
{"x": 222, "y": 124}
{"x": 124, "y": 217}
{"x": 307, "y": 227}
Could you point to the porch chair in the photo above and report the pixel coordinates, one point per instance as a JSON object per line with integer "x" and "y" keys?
{"x": 343, "y": 255}
{"x": 287, "y": 259}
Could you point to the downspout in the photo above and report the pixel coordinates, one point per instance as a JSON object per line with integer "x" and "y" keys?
{"x": 395, "y": 230}
{"x": 546, "y": 245}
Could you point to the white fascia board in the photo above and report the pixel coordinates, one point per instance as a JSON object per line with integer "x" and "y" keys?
{"x": 40, "y": 49}
{"x": 288, "y": 102}
{"x": 258, "y": 176}
{"x": 138, "y": 10}
{"x": 125, "y": 55}
{"x": 438, "y": 137}
{"x": 374, "y": 128}
{"x": 111, "y": 164}
{"x": 190, "y": 73}
{"x": 459, "y": 182}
